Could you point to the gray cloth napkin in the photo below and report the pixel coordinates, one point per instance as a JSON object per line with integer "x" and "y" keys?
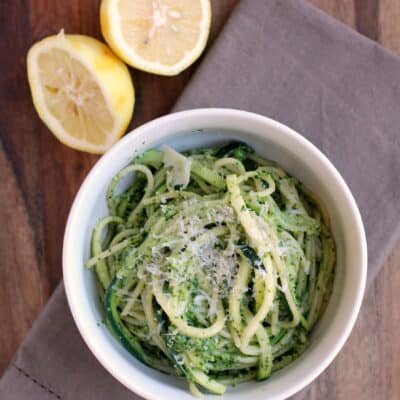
{"x": 286, "y": 60}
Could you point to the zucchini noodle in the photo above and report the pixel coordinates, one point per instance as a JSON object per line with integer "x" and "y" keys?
{"x": 213, "y": 264}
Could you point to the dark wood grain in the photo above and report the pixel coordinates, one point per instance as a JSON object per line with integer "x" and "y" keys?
{"x": 40, "y": 176}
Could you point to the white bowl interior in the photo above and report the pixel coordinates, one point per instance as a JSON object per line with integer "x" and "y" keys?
{"x": 273, "y": 141}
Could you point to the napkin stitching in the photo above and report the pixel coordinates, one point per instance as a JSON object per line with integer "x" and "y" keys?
{"x": 36, "y": 382}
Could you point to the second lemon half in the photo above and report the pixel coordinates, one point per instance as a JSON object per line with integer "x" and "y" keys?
{"x": 159, "y": 36}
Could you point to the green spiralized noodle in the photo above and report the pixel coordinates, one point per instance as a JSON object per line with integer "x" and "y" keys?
{"x": 220, "y": 279}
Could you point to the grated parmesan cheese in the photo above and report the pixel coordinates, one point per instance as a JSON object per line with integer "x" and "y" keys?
{"x": 196, "y": 248}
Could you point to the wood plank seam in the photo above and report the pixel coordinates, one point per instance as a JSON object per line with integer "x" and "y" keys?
{"x": 367, "y": 18}
{"x": 33, "y": 226}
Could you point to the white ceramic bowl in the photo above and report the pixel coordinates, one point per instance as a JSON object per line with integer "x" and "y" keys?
{"x": 272, "y": 140}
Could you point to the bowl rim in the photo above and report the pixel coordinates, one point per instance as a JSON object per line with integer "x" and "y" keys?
{"x": 219, "y": 112}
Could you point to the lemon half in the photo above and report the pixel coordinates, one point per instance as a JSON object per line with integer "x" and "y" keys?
{"x": 81, "y": 91}
{"x": 159, "y": 36}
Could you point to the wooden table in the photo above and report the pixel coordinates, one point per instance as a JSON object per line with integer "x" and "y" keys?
{"x": 40, "y": 176}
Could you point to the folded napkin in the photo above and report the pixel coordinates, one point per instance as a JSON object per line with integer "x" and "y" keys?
{"x": 286, "y": 60}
